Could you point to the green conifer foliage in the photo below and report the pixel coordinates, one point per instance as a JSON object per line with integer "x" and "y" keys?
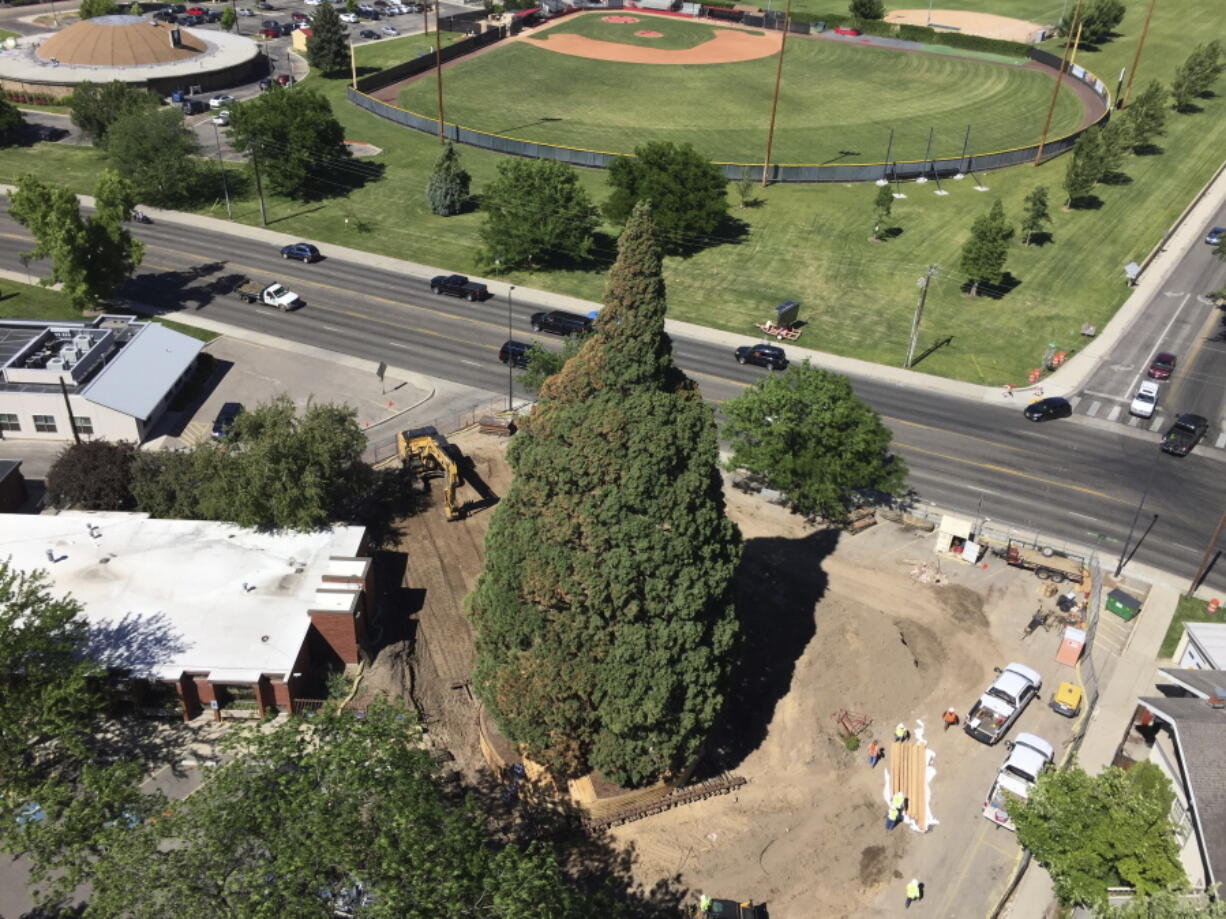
{"x": 604, "y": 616}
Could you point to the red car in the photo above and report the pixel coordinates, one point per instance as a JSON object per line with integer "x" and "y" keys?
{"x": 270, "y": 33}
{"x": 284, "y": 79}
{"x": 196, "y": 11}
{"x": 1162, "y": 367}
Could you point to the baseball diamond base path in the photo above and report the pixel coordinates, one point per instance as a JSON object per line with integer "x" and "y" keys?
{"x": 728, "y": 46}
{"x": 988, "y": 25}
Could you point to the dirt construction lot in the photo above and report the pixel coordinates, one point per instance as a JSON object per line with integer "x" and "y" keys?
{"x": 874, "y": 623}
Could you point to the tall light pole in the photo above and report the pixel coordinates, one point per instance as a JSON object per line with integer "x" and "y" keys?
{"x": 225, "y": 186}
{"x": 510, "y": 361}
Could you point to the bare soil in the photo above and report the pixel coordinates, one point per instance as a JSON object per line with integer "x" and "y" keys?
{"x": 873, "y": 623}
{"x": 989, "y": 25}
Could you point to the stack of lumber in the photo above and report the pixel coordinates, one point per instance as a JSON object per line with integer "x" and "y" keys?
{"x": 909, "y": 774}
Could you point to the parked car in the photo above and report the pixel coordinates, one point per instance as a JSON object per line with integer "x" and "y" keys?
{"x": 304, "y": 252}
{"x": 1145, "y": 401}
{"x": 193, "y": 106}
{"x": 312, "y": 2}
{"x": 458, "y": 285}
{"x": 225, "y": 418}
{"x": 1002, "y": 703}
{"x": 1163, "y": 366}
{"x": 1048, "y": 409}
{"x": 246, "y": 11}
{"x": 1216, "y": 235}
{"x": 283, "y": 79}
{"x": 222, "y": 118}
{"x": 514, "y": 353}
{"x": 270, "y": 33}
{"x": 369, "y": 35}
{"x": 560, "y": 322}
{"x": 221, "y": 100}
{"x": 349, "y": 17}
{"x": 287, "y": 28}
{"x": 265, "y": 84}
{"x": 1184, "y": 434}
{"x": 390, "y": 31}
{"x": 1029, "y": 756}
{"x": 195, "y": 11}
{"x": 299, "y": 17}
{"x": 265, "y": 5}
{"x": 270, "y": 24}
{"x": 771, "y": 356}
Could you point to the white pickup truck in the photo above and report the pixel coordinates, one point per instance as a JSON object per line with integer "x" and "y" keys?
{"x": 1028, "y": 757}
{"x": 996, "y": 710}
{"x": 275, "y": 294}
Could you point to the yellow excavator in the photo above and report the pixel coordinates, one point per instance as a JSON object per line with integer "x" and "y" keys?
{"x": 427, "y": 454}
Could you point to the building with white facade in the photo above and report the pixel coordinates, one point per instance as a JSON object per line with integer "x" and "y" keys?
{"x": 194, "y": 615}
{"x": 114, "y": 375}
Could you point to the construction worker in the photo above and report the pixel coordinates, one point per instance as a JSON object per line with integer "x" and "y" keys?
{"x": 874, "y": 754}
{"x": 704, "y": 904}
{"x": 901, "y": 733}
{"x": 899, "y": 801}
{"x": 892, "y": 818}
{"x": 950, "y": 717}
{"x": 915, "y": 892}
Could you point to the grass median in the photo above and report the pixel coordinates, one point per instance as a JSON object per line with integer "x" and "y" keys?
{"x": 808, "y": 242}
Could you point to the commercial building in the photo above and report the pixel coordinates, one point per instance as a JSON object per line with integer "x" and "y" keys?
{"x": 114, "y": 375}
{"x": 198, "y": 615}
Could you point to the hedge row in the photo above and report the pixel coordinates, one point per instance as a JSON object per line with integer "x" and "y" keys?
{"x": 31, "y": 98}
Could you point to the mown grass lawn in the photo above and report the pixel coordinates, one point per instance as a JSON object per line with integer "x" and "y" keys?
{"x": 1190, "y": 609}
{"x": 838, "y": 103}
{"x": 810, "y": 242}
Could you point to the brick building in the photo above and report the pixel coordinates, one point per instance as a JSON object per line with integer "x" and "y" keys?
{"x": 196, "y": 614}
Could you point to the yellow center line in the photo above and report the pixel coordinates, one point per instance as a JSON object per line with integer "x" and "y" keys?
{"x": 1177, "y": 383}
{"x": 993, "y": 467}
{"x": 950, "y": 431}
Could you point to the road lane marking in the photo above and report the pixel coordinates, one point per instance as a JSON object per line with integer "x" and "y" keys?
{"x": 1136, "y": 382}
{"x": 1201, "y": 338}
{"x": 1017, "y": 473}
{"x": 891, "y": 420}
{"x": 1094, "y": 407}
{"x": 1221, "y": 440}
{"x": 1156, "y": 424}
{"x": 1114, "y": 413}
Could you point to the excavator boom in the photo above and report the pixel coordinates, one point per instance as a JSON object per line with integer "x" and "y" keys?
{"x": 427, "y": 454}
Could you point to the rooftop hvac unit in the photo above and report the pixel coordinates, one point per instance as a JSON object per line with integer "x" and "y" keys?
{"x": 55, "y": 364}
{"x": 68, "y": 355}
{"x": 82, "y": 343}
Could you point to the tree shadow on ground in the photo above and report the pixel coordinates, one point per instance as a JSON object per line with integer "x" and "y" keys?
{"x": 891, "y": 233}
{"x": 730, "y": 230}
{"x": 995, "y": 290}
{"x": 1116, "y": 179}
{"x": 1188, "y": 108}
{"x": 778, "y": 583}
{"x": 1148, "y": 150}
{"x": 1041, "y": 238}
{"x": 1085, "y": 203}
{"x": 181, "y": 288}
{"x": 383, "y": 497}
{"x": 210, "y": 371}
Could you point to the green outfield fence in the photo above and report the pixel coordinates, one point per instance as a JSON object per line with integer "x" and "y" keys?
{"x": 907, "y": 170}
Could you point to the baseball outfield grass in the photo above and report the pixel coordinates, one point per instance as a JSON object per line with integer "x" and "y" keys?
{"x": 838, "y": 102}
{"x": 810, "y": 242}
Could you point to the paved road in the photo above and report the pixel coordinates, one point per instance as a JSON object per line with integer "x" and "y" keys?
{"x": 1077, "y": 480}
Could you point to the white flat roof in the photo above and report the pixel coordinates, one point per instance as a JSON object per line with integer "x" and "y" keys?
{"x": 168, "y": 596}
{"x": 1211, "y": 638}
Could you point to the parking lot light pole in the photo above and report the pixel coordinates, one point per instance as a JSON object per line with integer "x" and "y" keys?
{"x": 510, "y": 362}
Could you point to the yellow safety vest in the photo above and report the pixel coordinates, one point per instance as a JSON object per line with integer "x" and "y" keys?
{"x": 913, "y": 891}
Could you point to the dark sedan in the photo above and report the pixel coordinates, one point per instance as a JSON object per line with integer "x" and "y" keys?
{"x": 1162, "y": 367}
{"x": 304, "y": 252}
{"x": 368, "y": 34}
{"x": 225, "y": 419}
{"x": 771, "y": 356}
{"x": 1048, "y": 409}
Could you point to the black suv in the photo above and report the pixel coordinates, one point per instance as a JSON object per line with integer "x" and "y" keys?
{"x": 771, "y": 356}
{"x": 514, "y": 353}
{"x": 561, "y": 323}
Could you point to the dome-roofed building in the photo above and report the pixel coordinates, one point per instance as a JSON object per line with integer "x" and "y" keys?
{"x": 131, "y": 49}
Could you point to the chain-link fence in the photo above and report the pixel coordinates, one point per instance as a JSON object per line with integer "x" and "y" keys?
{"x": 907, "y": 170}
{"x": 384, "y": 448}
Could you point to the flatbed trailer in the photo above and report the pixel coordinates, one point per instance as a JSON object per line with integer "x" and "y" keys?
{"x": 1047, "y": 564}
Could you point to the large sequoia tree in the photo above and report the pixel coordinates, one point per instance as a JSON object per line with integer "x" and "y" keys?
{"x": 604, "y": 616}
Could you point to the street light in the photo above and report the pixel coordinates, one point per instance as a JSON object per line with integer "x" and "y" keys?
{"x": 225, "y": 187}
{"x": 510, "y": 362}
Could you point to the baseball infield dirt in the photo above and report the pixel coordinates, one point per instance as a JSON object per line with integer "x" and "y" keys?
{"x": 727, "y": 46}
{"x": 988, "y": 25}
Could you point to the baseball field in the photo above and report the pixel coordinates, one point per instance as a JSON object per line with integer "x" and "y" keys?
{"x": 612, "y": 82}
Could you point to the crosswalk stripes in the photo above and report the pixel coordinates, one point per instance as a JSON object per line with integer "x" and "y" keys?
{"x": 1108, "y": 409}
{"x": 1114, "y": 413}
{"x": 1092, "y": 411}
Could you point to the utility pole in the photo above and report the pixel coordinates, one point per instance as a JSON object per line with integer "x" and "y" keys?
{"x": 770, "y": 133}
{"x": 1204, "y": 562}
{"x": 1135, "y": 517}
{"x": 1136, "y": 58}
{"x": 1055, "y": 92}
{"x": 259, "y": 186}
{"x": 438, "y": 70}
{"x": 225, "y": 186}
{"x": 353, "y": 64}
{"x": 919, "y": 311}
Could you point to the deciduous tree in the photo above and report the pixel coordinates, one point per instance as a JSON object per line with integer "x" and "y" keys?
{"x": 883, "y": 204}
{"x": 1196, "y": 75}
{"x": 1146, "y": 115}
{"x": 542, "y": 363}
{"x": 536, "y": 213}
{"x": 328, "y": 43}
{"x": 374, "y": 833}
{"x": 154, "y": 150}
{"x": 94, "y": 475}
{"x": 91, "y": 8}
{"x": 985, "y": 253}
{"x": 228, "y": 19}
{"x": 604, "y": 617}
{"x": 807, "y": 435}
{"x": 90, "y": 256}
{"x": 11, "y": 120}
{"x": 688, "y": 194}
{"x": 97, "y": 106}
{"x": 867, "y": 9}
{"x": 1092, "y": 832}
{"x": 1035, "y": 215}
{"x": 295, "y": 137}
{"x": 1084, "y": 167}
{"x": 447, "y": 192}
{"x": 1168, "y": 904}
{"x": 1117, "y": 141}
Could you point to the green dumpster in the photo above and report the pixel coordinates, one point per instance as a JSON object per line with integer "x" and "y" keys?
{"x": 1123, "y": 605}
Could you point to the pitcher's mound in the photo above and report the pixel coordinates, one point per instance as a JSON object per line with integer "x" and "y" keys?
{"x": 988, "y": 25}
